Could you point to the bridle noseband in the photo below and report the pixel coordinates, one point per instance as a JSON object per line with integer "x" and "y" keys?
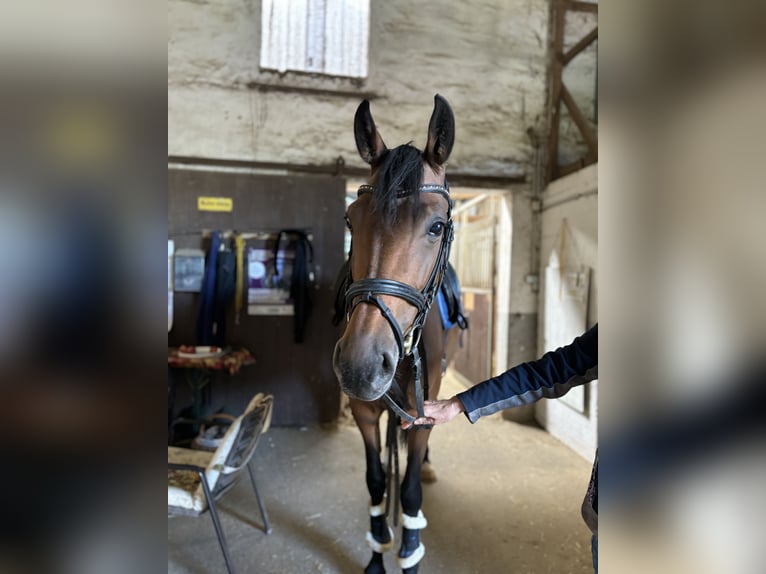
{"x": 369, "y": 290}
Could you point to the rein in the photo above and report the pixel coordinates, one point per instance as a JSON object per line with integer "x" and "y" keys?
{"x": 369, "y": 290}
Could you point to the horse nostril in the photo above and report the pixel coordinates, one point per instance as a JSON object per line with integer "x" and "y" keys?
{"x": 388, "y": 363}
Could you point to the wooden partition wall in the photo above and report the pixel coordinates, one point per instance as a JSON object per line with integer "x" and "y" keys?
{"x": 299, "y": 375}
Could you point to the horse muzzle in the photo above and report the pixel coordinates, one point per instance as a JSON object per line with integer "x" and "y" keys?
{"x": 364, "y": 371}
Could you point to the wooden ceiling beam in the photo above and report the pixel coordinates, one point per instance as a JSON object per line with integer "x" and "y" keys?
{"x": 580, "y": 46}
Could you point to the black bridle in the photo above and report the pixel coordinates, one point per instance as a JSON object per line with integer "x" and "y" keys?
{"x": 369, "y": 290}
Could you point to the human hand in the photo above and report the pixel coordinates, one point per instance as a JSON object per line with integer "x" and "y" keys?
{"x": 437, "y": 412}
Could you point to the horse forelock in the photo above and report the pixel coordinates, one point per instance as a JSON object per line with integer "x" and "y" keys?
{"x": 400, "y": 169}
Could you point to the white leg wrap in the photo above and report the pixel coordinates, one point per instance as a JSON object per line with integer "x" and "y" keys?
{"x": 413, "y": 558}
{"x": 414, "y": 522}
{"x": 379, "y": 546}
{"x": 378, "y": 510}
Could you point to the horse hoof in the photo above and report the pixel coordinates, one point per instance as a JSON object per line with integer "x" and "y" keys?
{"x": 427, "y": 473}
{"x": 376, "y": 565}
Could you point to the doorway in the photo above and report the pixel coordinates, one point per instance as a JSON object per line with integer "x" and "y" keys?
{"x": 481, "y": 255}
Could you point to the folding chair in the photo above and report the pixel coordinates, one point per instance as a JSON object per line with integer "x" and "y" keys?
{"x": 197, "y": 479}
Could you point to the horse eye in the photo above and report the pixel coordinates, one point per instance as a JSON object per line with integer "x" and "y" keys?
{"x": 348, "y": 222}
{"x": 436, "y": 229}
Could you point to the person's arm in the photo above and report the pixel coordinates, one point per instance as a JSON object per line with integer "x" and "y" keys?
{"x": 550, "y": 376}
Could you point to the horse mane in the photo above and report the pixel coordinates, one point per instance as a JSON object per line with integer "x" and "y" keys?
{"x": 400, "y": 169}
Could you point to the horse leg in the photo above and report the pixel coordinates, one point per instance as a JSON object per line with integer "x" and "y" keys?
{"x": 427, "y": 472}
{"x": 413, "y": 521}
{"x": 380, "y": 537}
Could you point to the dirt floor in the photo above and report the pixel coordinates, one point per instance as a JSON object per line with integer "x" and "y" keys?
{"x": 507, "y": 499}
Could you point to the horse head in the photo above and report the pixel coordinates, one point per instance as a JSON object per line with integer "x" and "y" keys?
{"x": 401, "y": 229}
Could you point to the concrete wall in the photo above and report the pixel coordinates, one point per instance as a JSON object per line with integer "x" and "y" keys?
{"x": 575, "y": 199}
{"x": 523, "y": 304}
{"x": 487, "y": 57}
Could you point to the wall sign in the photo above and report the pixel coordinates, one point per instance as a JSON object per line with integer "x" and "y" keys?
{"x": 215, "y": 204}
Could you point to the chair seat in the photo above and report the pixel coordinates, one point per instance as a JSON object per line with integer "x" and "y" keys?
{"x": 189, "y": 456}
{"x": 185, "y": 494}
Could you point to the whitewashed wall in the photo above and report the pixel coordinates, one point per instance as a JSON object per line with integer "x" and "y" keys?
{"x": 487, "y": 57}
{"x": 575, "y": 199}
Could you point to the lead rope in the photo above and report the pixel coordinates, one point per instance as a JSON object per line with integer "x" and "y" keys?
{"x": 392, "y": 446}
{"x": 392, "y": 470}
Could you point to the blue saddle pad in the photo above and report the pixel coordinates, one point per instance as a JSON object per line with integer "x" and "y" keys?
{"x": 444, "y": 311}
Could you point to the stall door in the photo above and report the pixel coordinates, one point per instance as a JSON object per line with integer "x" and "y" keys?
{"x": 474, "y": 261}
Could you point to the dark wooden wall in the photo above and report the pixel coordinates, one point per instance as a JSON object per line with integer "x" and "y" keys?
{"x": 299, "y": 375}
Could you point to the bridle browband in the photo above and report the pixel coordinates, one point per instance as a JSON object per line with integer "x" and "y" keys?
{"x": 369, "y": 290}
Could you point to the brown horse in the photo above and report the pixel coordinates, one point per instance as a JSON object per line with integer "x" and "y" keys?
{"x": 390, "y": 355}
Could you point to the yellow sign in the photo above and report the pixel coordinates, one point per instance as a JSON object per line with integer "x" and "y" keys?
{"x": 214, "y": 204}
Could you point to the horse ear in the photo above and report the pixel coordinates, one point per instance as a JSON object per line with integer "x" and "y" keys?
{"x": 368, "y": 140}
{"x": 441, "y": 132}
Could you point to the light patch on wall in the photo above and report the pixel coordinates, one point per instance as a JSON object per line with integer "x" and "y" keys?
{"x": 567, "y": 287}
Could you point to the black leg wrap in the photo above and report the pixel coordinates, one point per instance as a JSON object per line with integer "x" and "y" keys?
{"x": 376, "y": 564}
{"x": 380, "y": 538}
{"x": 410, "y": 542}
{"x": 411, "y": 551}
{"x": 379, "y": 529}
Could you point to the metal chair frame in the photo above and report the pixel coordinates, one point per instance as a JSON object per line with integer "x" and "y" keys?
{"x": 235, "y": 460}
{"x": 214, "y": 512}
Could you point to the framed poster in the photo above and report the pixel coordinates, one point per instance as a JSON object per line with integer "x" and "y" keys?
{"x": 189, "y": 269}
{"x": 268, "y": 281}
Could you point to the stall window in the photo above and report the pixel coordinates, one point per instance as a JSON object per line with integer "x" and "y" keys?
{"x": 319, "y": 36}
